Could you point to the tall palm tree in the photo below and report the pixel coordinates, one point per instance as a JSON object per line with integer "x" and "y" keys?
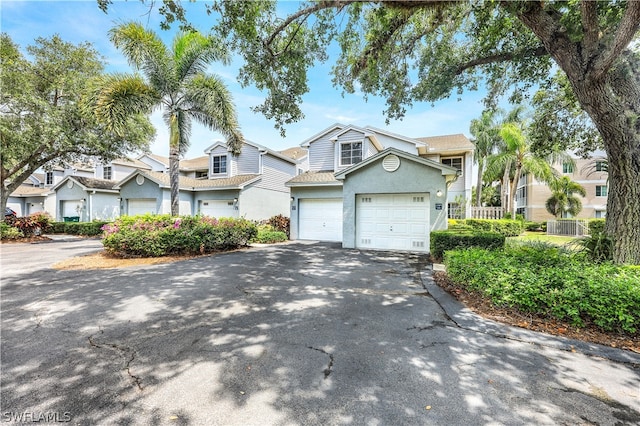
{"x": 176, "y": 82}
{"x": 563, "y": 198}
{"x": 517, "y": 154}
{"x": 486, "y": 138}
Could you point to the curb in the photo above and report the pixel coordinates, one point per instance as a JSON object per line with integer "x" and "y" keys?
{"x": 469, "y": 320}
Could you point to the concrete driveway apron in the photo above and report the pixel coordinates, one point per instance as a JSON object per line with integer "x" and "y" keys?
{"x": 285, "y": 334}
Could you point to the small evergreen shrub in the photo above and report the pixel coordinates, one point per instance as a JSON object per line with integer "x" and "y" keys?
{"x": 596, "y": 226}
{"x": 547, "y": 280}
{"x": 442, "y": 241}
{"x": 280, "y": 223}
{"x": 506, "y": 227}
{"x": 8, "y": 232}
{"x": 87, "y": 229}
{"x": 534, "y": 226}
{"x": 268, "y": 235}
{"x": 57, "y": 228}
{"x": 161, "y": 235}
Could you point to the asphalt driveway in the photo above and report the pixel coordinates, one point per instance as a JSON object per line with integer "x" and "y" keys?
{"x": 286, "y": 334}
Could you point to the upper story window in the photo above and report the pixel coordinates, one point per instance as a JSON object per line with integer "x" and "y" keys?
{"x": 350, "y": 153}
{"x": 601, "y": 166}
{"x": 200, "y": 174}
{"x": 48, "y": 178}
{"x": 455, "y": 162}
{"x": 601, "y": 190}
{"x": 219, "y": 164}
{"x": 107, "y": 173}
{"x": 567, "y": 168}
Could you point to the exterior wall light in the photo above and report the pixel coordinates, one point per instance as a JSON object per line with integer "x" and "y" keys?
{"x": 439, "y": 193}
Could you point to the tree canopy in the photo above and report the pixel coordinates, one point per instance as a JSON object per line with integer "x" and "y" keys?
{"x": 426, "y": 50}
{"x": 45, "y": 114}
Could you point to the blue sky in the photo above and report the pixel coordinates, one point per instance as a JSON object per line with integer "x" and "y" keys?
{"x": 82, "y": 21}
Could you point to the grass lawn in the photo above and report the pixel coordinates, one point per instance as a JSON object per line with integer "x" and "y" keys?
{"x": 559, "y": 240}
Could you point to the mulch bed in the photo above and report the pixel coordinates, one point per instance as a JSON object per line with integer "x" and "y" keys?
{"x": 33, "y": 239}
{"x": 481, "y": 305}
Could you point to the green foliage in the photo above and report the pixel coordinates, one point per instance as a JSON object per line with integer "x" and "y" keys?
{"x": 280, "y": 223}
{"x": 57, "y": 228}
{"x": 88, "y": 229}
{"x": 546, "y": 280}
{"x": 8, "y": 232}
{"x": 45, "y": 119}
{"x": 597, "y": 247}
{"x": 535, "y": 226}
{"x": 596, "y": 226}
{"x": 162, "y": 235}
{"x": 267, "y": 234}
{"x": 506, "y": 227}
{"x": 34, "y": 224}
{"x": 442, "y": 241}
{"x": 563, "y": 198}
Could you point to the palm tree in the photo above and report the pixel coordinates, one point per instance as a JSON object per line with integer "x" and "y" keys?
{"x": 485, "y": 138}
{"x": 517, "y": 155}
{"x": 176, "y": 82}
{"x": 563, "y": 197}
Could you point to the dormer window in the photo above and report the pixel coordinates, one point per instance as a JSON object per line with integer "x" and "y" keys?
{"x": 219, "y": 164}
{"x": 48, "y": 178}
{"x": 350, "y": 153}
{"x": 107, "y": 172}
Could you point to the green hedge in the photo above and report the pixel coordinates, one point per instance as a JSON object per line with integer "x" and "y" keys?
{"x": 161, "y": 235}
{"x": 596, "y": 226}
{"x": 442, "y": 241}
{"x": 506, "y": 227}
{"x": 549, "y": 281}
{"x": 88, "y": 229}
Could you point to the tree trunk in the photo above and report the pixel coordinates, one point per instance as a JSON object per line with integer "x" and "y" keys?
{"x": 614, "y": 107}
{"x": 174, "y": 165}
{"x": 506, "y": 199}
{"x": 479, "y": 184}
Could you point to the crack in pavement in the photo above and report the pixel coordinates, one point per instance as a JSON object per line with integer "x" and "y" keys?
{"x": 123, "y": 350}
{"x": 429, "y": 327}
{"x": 327, "y": 371}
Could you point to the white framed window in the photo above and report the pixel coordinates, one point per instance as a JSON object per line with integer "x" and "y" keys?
{"x": 567, "y": 168}
{"x": 455, "y": 162}
{"x": 601, "y": 166}
{"x": 219, "y": 164}
{"x": 350, "y": 153}
{"x": 107, "y": 173}
{"x": 48, "y": 178}
{"x": 601, "y": 190}
{"x": 601, "y": 214}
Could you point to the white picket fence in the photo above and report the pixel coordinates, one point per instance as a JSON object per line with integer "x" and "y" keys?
{"x": 487, "y": 212}
{"x": 573, "y": 227}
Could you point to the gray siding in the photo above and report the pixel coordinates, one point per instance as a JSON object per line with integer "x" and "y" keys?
{"x": 247, "y": 163}
{"x": 275, "y": 172}
{"x": 220, "y": 150}
{"x": 148, "y": 189}
{"x": 65, "y": 194}
{"x": 259, "y": 203}
{"x": 391, "y": 142}
{"x": 321, "y": 153}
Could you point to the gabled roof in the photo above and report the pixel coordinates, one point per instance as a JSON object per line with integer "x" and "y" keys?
{"x": 295, "y": 152}
{"x": 446, "y": 144}
{"x": 322, "y": 178}
{"x": 158, "y": 158}
{"x": 191, "y": 184}
{"x": 129, "y": 162}
{"x": 329, "y": 129}
{"x": 414, "y": 141}
{"x": 88, "y": 184}
{"x": 365, "y": 133}
{"x": 30, "y": 191}
{"x": 198, "y": 163}
{"x": 446, "y": 170}
{"x": 259, "y": 147}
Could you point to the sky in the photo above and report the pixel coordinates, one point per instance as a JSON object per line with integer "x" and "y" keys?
{"x": 323, "y": 106}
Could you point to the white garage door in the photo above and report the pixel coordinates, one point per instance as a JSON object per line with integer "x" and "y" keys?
{"x": 393, "y": 221}
{"x": 137, "y": 206}
{"x": 218, "y": 208}
{"x": 71, "y": 208}
{"x": 320, "y": 219}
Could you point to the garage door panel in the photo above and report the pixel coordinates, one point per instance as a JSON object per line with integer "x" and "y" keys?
{"x": 392, "y": 221}
{"x": 218, "y": 208}
{"x": 320, "y": 219}
{"x": 136, "y": 206}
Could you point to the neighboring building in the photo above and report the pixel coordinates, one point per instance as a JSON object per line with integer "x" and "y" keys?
{"x": 118, "y": 169}
{"x": 369, "y": 188}
{"x": 86, "y": 199}
{"x": 250, "y": 185}
{"x": 196, "y": 168}
{"x": 299, "y": 154}
{"x": 591, "y": 173}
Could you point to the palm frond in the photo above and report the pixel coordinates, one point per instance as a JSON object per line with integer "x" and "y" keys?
{"x": 113, "y": 98}
{"x": 192, "y": 53}
{"x": 210, "y": 103}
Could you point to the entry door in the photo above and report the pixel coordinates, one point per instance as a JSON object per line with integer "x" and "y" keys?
{"x": 320, "y": 219}
{"x": 393, "y": 221}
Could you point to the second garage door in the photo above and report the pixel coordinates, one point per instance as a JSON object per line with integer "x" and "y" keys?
{"x": 320, "y": 219}
{"x": 393, "y": 221}
{"x": 218, "y": 208}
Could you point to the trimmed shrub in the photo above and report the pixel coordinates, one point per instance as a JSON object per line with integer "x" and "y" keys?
{"x": 506, "y": 227}
{"x": 8, "y": 232}
{"x": 161, "y": 235}
{"x": 548, "y": 281}
{"x": 596, "y": 226}
{"x": 442, "y": 241}
{"x": 534, "y": 226}
{"x": 269, "y": 236}
{"x": 87, "y": 229}
{"x": 57, "y": 228}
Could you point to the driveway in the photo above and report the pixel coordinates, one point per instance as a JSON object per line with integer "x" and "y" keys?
{"x": 289, "y": 334}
